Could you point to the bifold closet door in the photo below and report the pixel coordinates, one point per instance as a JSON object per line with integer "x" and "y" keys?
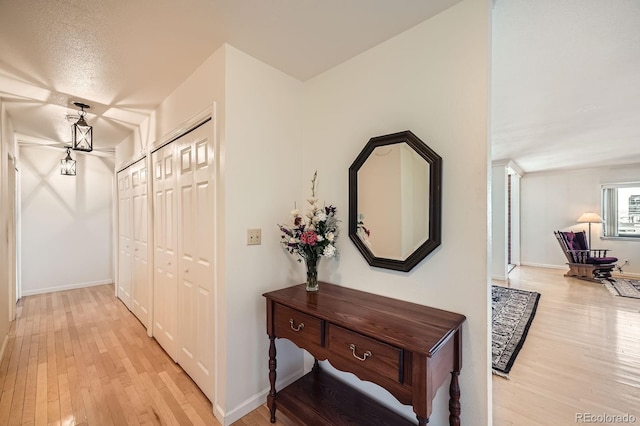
{"x": 140, "y": 294}
{"x": 165, "y": 261}
{"x": 195, "y": 255}
{"x": 133, "y": 282}
{"x": 125, "y": 239}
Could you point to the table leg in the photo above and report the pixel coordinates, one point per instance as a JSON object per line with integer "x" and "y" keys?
{"x": 271, "y": 398}
{"x": 454, "y": 400}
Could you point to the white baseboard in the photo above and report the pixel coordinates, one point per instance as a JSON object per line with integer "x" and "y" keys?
{"x": 631, "y": 275}
{"x": 253, "y": 402}
{"x": 543, "y": 265}
{"x": 64, "y": 287}
{"x": 4, "y": 347}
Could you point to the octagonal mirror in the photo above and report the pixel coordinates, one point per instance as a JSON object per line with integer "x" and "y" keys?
{"x": 395, "y": 198}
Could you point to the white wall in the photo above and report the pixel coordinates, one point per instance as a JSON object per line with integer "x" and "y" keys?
{"x": 499, "y": 222}
{"x": 554, "y": 200}
{"x": 515, "y": 217}
{"x": 432, "y": 80}
{"x": 7, "y": 146}
{"x": 263, "y": 155}
{"x": 66, "y": 221}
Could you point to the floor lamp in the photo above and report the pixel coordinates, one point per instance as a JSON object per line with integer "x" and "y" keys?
{"x": 590, "y": 217}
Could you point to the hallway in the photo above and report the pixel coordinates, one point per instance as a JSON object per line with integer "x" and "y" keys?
{"x": 79, "y": 357}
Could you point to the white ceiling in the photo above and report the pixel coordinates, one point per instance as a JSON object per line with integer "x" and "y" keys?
{"x": 125, "y": 57}
{"x": 566, "y": 83}
{"x": 565, "y": 73}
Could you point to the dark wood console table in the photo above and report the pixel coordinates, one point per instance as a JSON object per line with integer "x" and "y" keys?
{"x": 406, "y": 348}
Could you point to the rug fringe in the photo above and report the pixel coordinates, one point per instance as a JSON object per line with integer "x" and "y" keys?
{"x": 610, "y": 287}
{"x": 500, "y": 374}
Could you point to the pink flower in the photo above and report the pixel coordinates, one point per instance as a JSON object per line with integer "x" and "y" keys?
{"x": 309, "y": 237}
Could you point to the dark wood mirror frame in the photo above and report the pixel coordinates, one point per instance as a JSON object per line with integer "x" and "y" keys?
{"x": 435, "y": 201}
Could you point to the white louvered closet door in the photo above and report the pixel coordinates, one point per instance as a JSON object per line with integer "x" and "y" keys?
{"x": 125, "y": 239}
{"x": 195, "y": 255}
{"x": 140, "y": 295}
{"x": 165, "y": 262}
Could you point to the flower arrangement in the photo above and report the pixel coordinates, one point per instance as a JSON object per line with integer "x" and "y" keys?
{"x": 312, "y": 235}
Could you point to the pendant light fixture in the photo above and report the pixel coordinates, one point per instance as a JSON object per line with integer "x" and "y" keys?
{"x": 81, "y": 132}
{"x": 68, "y": 164}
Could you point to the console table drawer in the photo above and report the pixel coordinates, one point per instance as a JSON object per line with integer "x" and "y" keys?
{"x": 296, "y": 326}
{"x": 365, "y": 352}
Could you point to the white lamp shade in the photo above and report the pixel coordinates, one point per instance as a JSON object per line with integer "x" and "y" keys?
{"x": 590, "y": 217}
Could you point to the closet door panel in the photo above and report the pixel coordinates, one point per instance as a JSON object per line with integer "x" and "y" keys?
{"x": 125, "y": 260}
{"x": 140, "y": 300}
{"x": 165, "y": 294}
{"x": 196, "y": 242}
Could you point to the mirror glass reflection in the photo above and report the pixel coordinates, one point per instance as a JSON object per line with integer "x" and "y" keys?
{"x": 393, "y": 201}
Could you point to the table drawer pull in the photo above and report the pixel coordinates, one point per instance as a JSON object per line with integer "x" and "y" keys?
{"x": 366, "y": 355}
{"x": 298, "y": 328}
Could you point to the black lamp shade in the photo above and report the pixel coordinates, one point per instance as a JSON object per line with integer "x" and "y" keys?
{"x": 82, "y": 136}
{"x": 68, "y": 165}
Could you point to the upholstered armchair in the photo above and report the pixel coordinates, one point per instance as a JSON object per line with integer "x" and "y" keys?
{"x": 584, "y": 263}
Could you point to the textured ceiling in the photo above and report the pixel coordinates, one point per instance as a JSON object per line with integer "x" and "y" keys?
{"x": 125, "y": 57}
{"x": 565, "y": 73}
{"x": 566, "y": 83}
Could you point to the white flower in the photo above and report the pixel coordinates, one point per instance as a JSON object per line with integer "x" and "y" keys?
{"x": 329, "y": 251}
{"x": 312, "y": 200}
{"x": 320, "y": 238}
{"x": 295, "y": 212}
{"x": 315, "y": 219}
{"x": 321, "y": 216}
{"x": 330, "y": 236}
{"x": 293, "y": 240}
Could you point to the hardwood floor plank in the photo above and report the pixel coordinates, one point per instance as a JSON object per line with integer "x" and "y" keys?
{"x": 66, "y": 406}
{"x": 159, "y": 407}
{"x": 581, "y": 354}
{"x": 127, "y": 405}
{"x": 13, "y": 353}
{"x": 52, "y": 367}
{"x": 29, "y": 405}
{"x": 5, "y": 406}
{"x": 41, "y": 395}
{"x": 111, "y": 401}
{"x": 17, "y": 402}
{"x": 75, "y": 391}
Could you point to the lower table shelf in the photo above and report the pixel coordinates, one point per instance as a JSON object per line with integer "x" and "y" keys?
{"x": 319, "y": 399}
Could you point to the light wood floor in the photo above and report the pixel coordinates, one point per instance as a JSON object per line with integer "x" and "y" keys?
{"x": 582, "y": 354}
{"x": 79, "y": 357}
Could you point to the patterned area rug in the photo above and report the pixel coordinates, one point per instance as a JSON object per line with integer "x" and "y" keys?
{"x": 512, "y": 313}
{"x": 623, "y": 287}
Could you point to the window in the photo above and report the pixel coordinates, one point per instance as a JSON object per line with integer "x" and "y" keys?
{"x": 621, "y": 210}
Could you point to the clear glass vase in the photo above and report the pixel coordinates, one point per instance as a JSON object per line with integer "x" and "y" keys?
{"x": 312, "y": 273}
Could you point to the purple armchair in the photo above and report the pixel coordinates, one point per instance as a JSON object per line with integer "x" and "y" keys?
{"x": 585, "y": 263}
